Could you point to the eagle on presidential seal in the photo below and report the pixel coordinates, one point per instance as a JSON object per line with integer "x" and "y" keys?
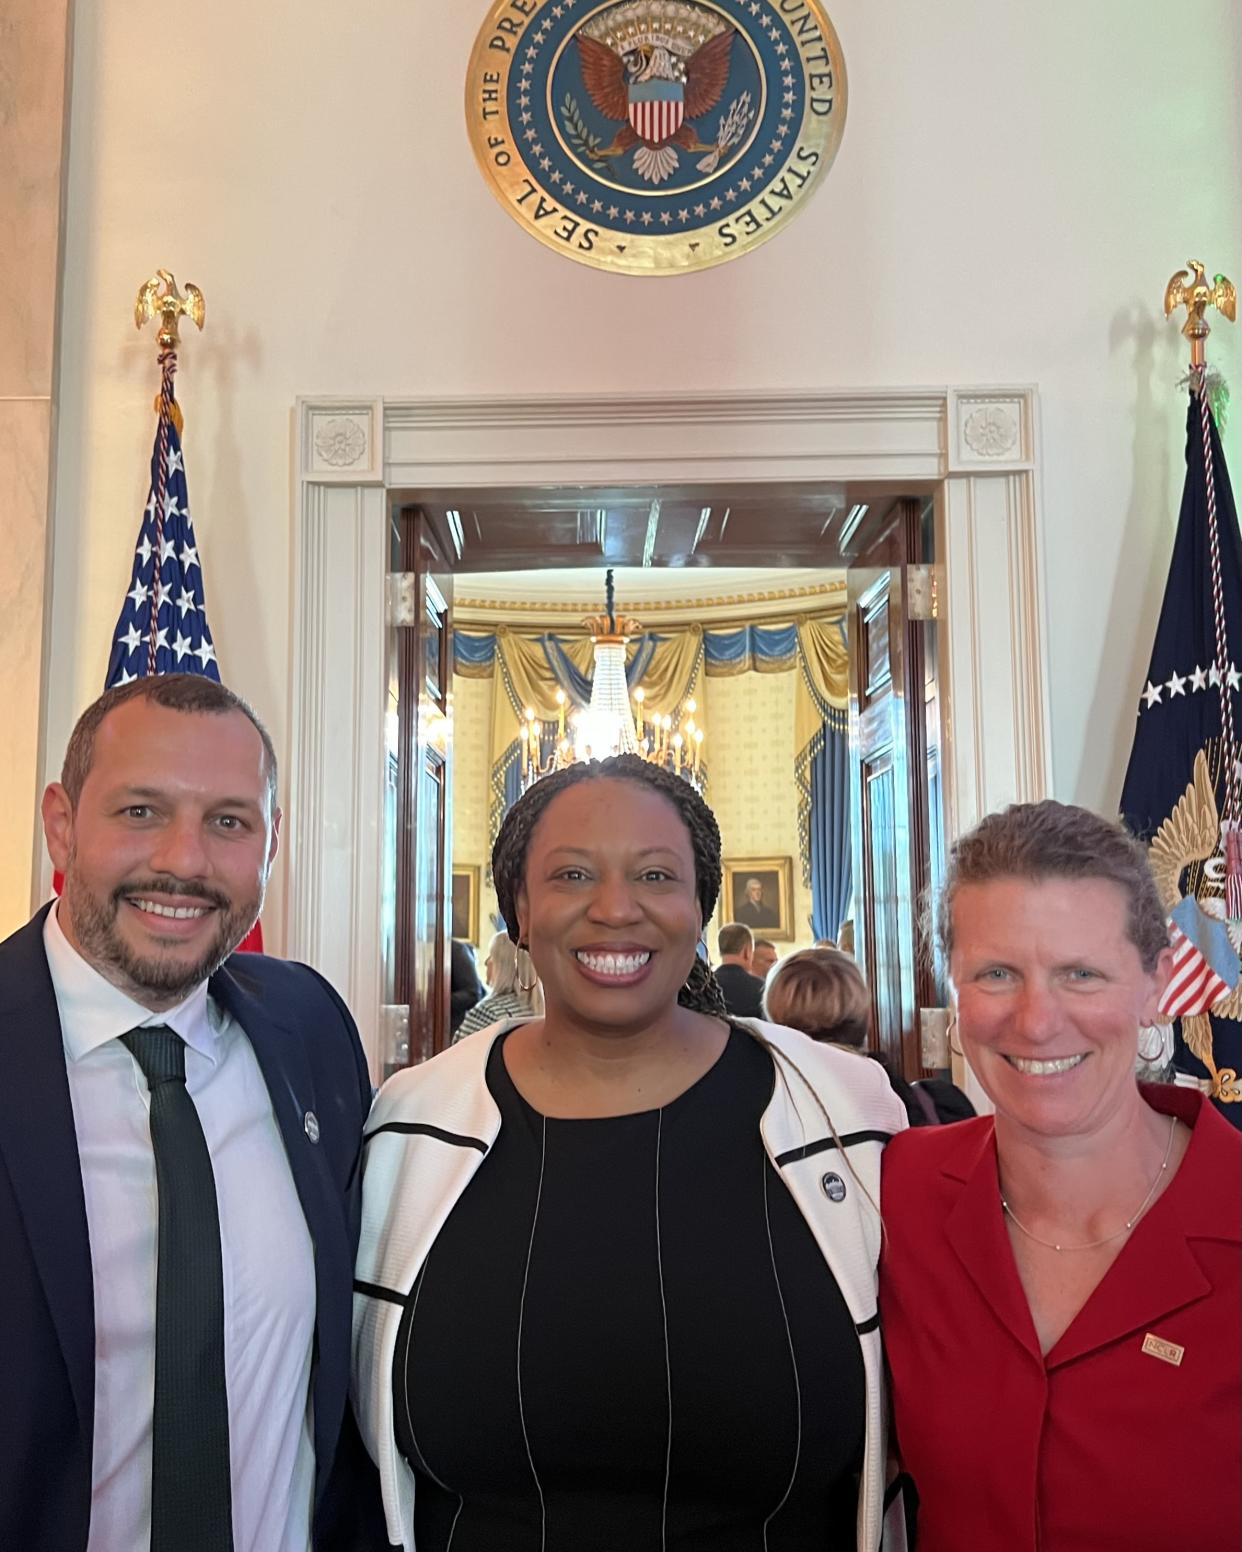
{"x": 653, "y": 67}
{"x": 1193, "y": 838}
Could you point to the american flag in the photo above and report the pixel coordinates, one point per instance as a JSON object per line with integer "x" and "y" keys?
{"x": 162, "y": 628}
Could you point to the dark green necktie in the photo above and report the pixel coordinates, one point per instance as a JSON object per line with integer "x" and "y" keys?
{"x": 191, "y": 1488}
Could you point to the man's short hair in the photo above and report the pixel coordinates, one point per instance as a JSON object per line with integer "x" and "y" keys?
{"x": 765, "y": 943}
{"x": 174, "y": 692}
{"x": 734, "y": 938}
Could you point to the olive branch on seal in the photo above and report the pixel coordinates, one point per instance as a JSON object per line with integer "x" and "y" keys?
{"x": 579, "y": 136}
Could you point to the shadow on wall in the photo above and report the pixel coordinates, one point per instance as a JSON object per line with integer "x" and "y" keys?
{"x": 218, "y": 357}
{"x": 1147, "y": 538}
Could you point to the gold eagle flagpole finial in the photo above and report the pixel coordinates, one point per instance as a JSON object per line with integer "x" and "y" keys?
{"x": 159, "y": 298}
{"x": 1189, "y": 288}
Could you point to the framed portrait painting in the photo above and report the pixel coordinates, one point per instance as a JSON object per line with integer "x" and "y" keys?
{"x": 759, "y": 892}
{"x": 464, "y": 923}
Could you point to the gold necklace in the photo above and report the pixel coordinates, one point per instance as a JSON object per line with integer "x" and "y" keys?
{"x": 1108, "y": 1238}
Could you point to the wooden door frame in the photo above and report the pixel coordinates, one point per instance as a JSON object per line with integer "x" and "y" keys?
{"x": 977, "y": 449}
{"x": 428, "y": 1003}
{"x": 885, "y": 557}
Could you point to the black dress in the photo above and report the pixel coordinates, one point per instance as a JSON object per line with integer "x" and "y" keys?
{"x": 625, "y": 1339}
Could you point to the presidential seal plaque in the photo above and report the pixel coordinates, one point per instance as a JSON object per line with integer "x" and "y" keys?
{"x": 655, "y": 136}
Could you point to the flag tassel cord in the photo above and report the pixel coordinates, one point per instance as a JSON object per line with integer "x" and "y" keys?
{"x": 1232, "y": 832}
{"x": 168, "y": 368}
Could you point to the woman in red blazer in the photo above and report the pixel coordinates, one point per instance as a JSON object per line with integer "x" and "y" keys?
{"x": 1060, "y": 1292}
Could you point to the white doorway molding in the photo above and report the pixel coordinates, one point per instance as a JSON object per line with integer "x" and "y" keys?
{"x": 977, "y": 447}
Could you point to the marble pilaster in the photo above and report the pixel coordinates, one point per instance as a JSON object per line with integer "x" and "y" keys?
{"x": 34, "y": 55}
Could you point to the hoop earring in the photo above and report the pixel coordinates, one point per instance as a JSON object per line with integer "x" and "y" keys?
{"x": 1164, "y": 1044}
{"x": 522, "y": 986}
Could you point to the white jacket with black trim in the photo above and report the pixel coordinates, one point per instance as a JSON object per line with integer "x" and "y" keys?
{"x": 431, "y": 1127}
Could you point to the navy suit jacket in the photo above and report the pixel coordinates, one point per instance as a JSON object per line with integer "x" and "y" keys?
{"x": 743, "y": 992}
{"x": 308, "y": 1050}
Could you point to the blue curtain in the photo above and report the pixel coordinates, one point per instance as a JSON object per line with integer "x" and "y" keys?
{"x": 831, "y": 854}
{"x": 763, "y": 648}
{"x": 577, "y": 686}
{"x": 474, "y": 654}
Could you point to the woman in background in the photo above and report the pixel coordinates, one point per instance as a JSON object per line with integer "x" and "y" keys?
{"x": 617, "y": 1263}
{"x": 464, "y": 986}
{"x": 508, "y": 997}
{"x": 821, "y": 991}
{"x": 1060, "y": 1285}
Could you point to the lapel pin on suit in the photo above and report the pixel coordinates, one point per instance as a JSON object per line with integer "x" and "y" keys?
{"x": 833, "y": 1187}
{"x": 1169, "y": 1352}
{"x": 310, "y": 1123}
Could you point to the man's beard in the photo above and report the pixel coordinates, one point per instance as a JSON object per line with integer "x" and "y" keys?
{"x": 94, "y": 925}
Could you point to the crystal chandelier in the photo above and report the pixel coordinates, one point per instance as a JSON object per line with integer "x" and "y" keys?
{"x": 610, "y": 724}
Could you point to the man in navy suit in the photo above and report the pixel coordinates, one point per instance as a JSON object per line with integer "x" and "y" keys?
{"x": 743, "y": 991}
{"x": 179, "y": 1143}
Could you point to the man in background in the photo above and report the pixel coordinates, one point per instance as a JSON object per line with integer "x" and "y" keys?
{"x": 743, "y": 992}
{"x": 180, "y": 1134}
{"x": 763, "y": 957}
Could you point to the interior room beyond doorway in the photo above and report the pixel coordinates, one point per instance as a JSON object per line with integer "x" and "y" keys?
{"x": 734, "y": 629}
{"x": 748, "y": 589}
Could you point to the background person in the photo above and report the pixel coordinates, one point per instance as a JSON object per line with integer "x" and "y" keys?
{"x": 179, "y": 1134}
{"x": 742, "y": 991}
{"x": 507, "y": 998}
{"x": 763, "y": 957}
{"x": 465, "y": 988}
{"x": 642, "y": 1238}
{"x": 821, "y": 991}
{"x": 1060, "y": 1289}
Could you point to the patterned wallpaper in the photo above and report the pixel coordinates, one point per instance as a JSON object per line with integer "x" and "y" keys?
{"x": 472, "y": 736}
{"x": 749, "y": 720}
{"x": 750, "y": 749}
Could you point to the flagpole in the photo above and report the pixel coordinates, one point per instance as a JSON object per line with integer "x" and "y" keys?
{"x": 1189, "y": 288}
{"x": 159, "y": 297}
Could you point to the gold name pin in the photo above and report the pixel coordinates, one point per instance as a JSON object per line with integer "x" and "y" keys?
{"x": 1167, "y": 1352}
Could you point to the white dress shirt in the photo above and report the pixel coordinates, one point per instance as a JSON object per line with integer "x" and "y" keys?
{"x": 268, "y": 1260}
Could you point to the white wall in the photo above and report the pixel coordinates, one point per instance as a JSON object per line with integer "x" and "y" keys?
{"x": 308, "y": 167}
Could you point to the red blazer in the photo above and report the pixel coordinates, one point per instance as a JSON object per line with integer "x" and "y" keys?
{"x": 1100, "y": 1444}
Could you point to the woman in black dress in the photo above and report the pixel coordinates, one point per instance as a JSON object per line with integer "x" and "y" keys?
{"x": 617, "y": 1275}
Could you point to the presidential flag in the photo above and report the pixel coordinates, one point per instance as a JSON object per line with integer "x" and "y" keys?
{"x": 1183, "y": 788}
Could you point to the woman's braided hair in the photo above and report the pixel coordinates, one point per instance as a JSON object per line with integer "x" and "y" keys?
{"x": 700, "y": 991}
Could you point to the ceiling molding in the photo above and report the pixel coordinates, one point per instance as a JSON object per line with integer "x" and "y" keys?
{"x": 737, "y": 602}
{"x": 684, "y": 409}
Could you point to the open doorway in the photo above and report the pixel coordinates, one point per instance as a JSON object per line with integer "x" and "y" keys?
{"x": 837, "y": 828}
{"x": 975, "y": 448}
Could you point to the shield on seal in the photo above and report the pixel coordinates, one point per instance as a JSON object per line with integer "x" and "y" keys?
{"x": 656, "y": 110}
